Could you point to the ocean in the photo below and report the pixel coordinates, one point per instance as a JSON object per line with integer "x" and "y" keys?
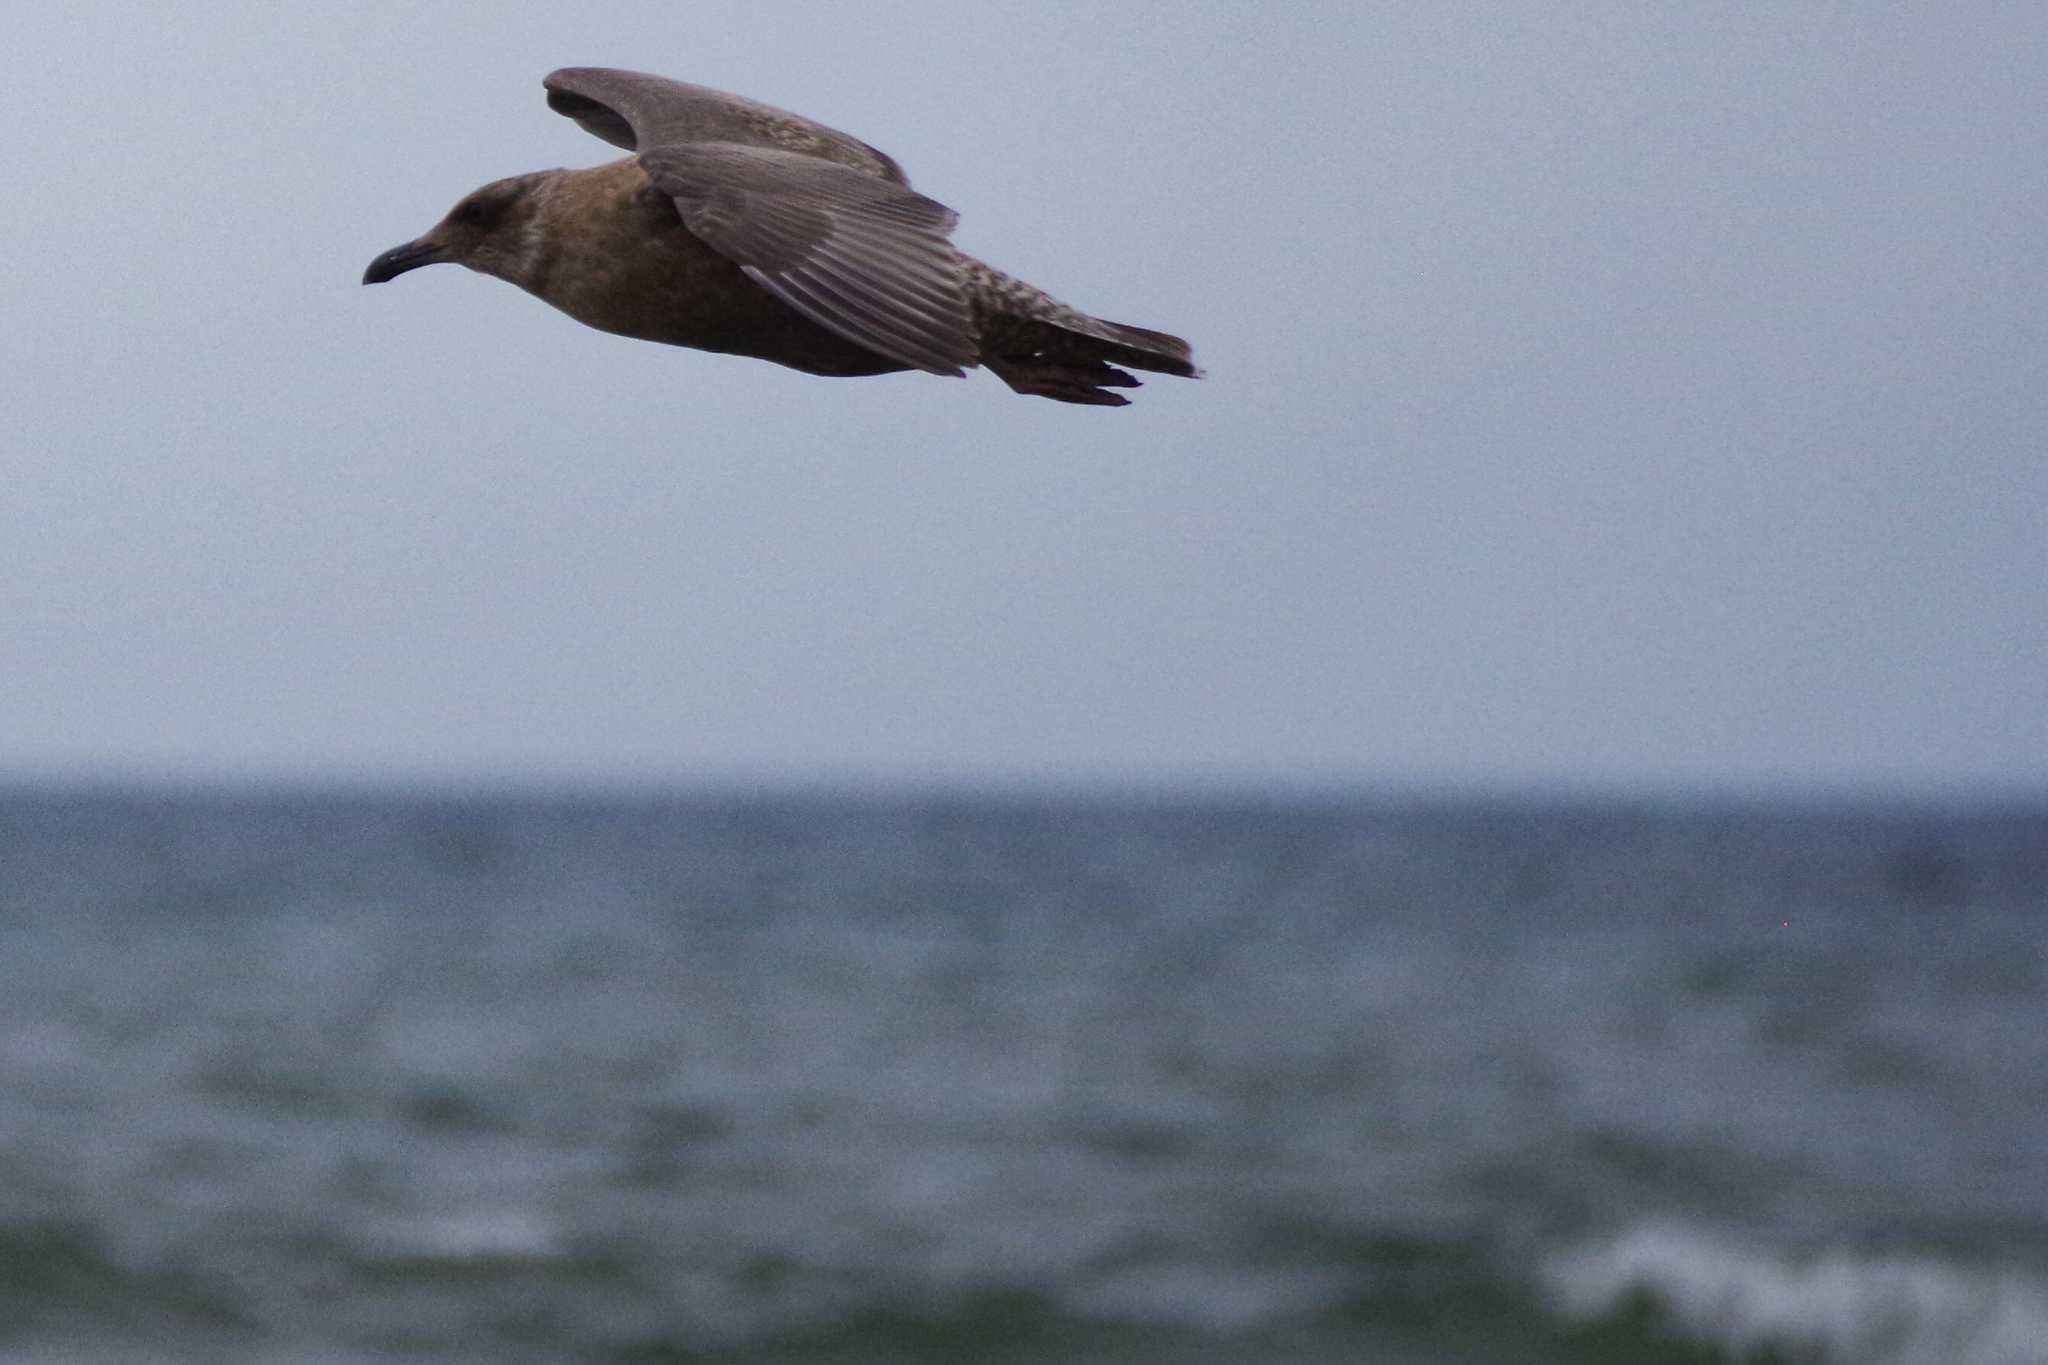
{"x": 295, "y": 1077}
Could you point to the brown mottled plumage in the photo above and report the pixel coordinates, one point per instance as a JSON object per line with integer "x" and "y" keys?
{"x": 741, "y": 228}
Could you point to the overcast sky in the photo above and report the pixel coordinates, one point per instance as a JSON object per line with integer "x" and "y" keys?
{"x": 1605, "y": 395}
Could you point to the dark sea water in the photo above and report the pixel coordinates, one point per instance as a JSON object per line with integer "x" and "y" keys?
{"x": 360, "y": 1079}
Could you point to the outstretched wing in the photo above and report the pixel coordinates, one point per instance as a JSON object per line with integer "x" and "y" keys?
{"x": 859, "y": 256}
{"x": 820, "y": 220}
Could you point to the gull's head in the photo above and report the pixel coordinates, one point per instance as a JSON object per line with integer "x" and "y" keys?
{"x": 493, "y": 230}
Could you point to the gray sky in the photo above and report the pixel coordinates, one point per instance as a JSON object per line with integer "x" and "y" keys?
{"x": 1599, "y": 394}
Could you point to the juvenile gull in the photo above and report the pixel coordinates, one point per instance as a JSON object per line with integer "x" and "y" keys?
{"x": 737, "y": 227}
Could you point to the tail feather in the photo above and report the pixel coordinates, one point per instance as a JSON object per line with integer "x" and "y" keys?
{"x": 1043, "y": 347}
{"x": 1144, "y": 349}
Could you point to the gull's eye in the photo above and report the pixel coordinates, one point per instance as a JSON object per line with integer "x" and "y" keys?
{"x": 470, "y": 214}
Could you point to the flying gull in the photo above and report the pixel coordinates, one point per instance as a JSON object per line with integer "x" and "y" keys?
{"x": 738, "y": 227}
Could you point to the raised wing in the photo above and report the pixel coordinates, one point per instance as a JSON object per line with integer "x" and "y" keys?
{"x": 636, "y": 111}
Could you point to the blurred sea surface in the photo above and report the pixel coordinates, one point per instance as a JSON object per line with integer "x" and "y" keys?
{"x": 298, "y": 1077}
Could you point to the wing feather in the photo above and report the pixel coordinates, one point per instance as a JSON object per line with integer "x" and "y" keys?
{"x": 820, "y": 220}
{"x": 636, "y": 111}
{"x": 862, "y": 257}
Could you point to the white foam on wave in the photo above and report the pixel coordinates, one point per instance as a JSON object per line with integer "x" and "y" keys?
{"x": 478, "y": 1235}
{"x": 1874, "y": 1309}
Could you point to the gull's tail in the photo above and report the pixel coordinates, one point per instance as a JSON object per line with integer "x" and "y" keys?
{"x": 1040, "y": 346}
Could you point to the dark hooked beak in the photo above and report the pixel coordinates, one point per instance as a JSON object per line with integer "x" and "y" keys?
{"x": 400, "y": 259}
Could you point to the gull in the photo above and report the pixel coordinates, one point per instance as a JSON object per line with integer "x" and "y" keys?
{"x": 742, "y": 228}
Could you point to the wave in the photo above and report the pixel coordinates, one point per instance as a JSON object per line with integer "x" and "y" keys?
{"x": 1873, "y": 1308}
